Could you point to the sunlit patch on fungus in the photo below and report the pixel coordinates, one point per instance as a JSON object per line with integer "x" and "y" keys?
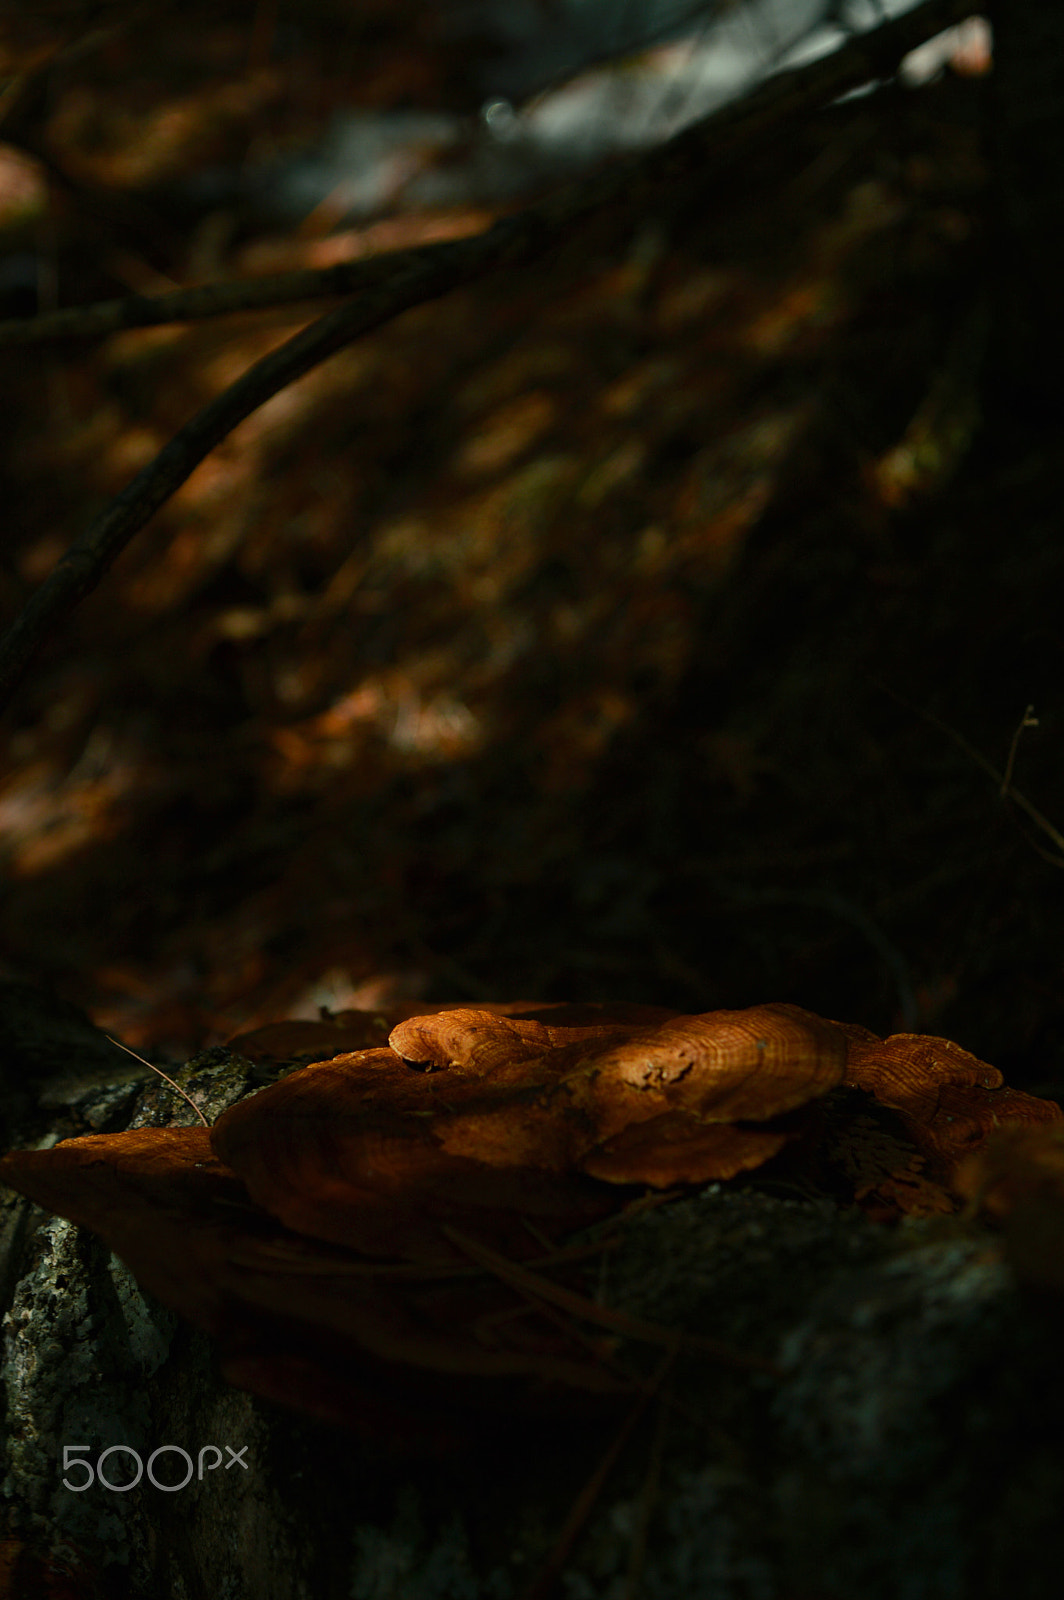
{"x": 390, "y": 1215}
{"x": 949, "y": 1100}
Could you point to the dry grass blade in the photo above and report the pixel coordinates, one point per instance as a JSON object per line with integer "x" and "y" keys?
{"x": 547, "y": 1577}
{"x": 160, "y": 1073}
{"x": 579, "y": 1305}
{"x": 290, "y": 1255}
{"x": 647, "y": 1500}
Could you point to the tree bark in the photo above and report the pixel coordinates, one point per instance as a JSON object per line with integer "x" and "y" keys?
{"x": 908, "y": 1447}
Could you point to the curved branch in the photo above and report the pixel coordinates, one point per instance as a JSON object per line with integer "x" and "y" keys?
{"x": 394, "y": 283}
{"x": 787, "y": 94}
{"x": 89, "y": 557}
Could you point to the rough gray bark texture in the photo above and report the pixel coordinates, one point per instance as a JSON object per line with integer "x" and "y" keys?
{"x": 909, "y": 1450}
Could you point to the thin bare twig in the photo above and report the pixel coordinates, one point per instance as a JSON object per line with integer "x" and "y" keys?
{"x": 90, "y": 556}
{"x": 544, "y": 1582}
{"x": 389, "y": 285}
{"x": 786, "y": 95}
{"x": 1002, "y": 779}
{"x": 166, "y": 1079}
{"x": 1028, "y": 720}
{"x": 646, "y": 1504}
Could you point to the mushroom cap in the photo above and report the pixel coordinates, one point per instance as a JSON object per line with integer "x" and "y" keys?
{"x": 350, "y": 1030}
{"x": 323, "y": 1230}
{"x": 521, "y": 1109}
{"x": 950, "y": 1100}
{"x": 299, "y": 1321}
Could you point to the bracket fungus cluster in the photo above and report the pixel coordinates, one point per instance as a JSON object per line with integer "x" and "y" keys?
{"x": 403, "y": 1208}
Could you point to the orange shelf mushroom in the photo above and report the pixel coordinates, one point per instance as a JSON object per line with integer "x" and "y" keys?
{"x": 511, "y": 1115}
{"x": 949, "y": 1100}
{"x": 335, "y": 1231}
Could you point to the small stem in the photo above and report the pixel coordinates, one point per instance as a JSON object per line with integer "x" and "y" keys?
{"x": 162, "y": 1075}
{"x": 1028, "y": 720}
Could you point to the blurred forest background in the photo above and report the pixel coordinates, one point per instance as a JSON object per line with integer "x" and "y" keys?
{"x": 638, "y": 625}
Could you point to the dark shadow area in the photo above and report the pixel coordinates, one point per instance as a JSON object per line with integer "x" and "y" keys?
{"x": 605, "y": 631}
